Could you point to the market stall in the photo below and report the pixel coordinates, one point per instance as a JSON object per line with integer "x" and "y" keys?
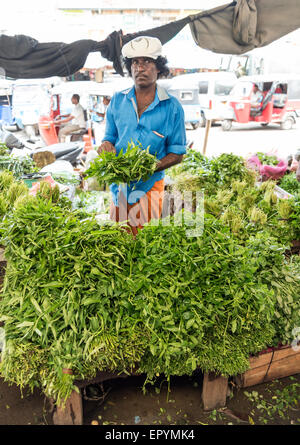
{"x": 83, "y": 301}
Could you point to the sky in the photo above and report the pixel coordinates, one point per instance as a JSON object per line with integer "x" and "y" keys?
{"x": 39, "y": 19}
{"x": 36, "y": 17}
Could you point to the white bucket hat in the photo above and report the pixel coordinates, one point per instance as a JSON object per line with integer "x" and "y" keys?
{"x": 142, "y": 46}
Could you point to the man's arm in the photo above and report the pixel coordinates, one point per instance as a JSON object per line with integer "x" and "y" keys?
{"x": 111, "y": 132}
{"x": 176, "y": 146}
{"x": 63, "y": 121}
{"x": 168, "y": 161}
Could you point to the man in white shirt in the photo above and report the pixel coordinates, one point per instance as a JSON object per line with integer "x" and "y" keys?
{"x": 256, "y": 97}
{"x": 76, "y": 117}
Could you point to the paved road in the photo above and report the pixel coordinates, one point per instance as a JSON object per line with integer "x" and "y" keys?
{"x": 246, "y": 139}
{"x": 241, "y": 139}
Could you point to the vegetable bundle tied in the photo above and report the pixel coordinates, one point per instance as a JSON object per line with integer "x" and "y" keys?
{"x": 133, "y": 165}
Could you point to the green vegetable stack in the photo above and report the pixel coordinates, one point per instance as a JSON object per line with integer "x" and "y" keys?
{"x": 83, "y": 298}
{"x": 78, "y": 297}
{"x": 133, "y": 165}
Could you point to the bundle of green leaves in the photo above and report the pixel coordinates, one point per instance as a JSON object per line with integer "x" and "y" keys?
{"x": 130, "y": 165}
{"x": 193, "y": 162}
{"x": 290, "y": 184}
{"x": 196, "y": 172}
{"x": 18, "y": 166}
{"x": 267, "y": 159}
{"x": 248, "y": 210}
{"x": 10, "y": 192}
{"x": 4, "y": 151}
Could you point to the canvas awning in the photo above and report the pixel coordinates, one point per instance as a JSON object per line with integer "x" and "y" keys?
{"x": 234, "y": 28}
{"x": 243, "y": 25}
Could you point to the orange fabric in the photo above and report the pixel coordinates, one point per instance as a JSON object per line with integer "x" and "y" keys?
{"x": 138, "y": 214}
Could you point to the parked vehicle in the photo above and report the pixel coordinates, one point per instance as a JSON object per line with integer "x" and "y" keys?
{"x": 6, "y": 115}
{"x": 202, "y": 95}
{"x": 29, "y": 98}
{"x": 278, "y": 57}
{"x": 280, "y": 103}
{"x": 189, "y": 98}
{"x": 91, "y": 96}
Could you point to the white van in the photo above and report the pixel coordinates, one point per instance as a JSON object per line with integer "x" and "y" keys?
{"x": 213, "y": 90}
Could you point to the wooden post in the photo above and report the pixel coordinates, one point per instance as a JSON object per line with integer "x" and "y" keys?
{"x": 214, "y": 391}
{"x": 207, "y": 128}
{"x": 72, "y": 414}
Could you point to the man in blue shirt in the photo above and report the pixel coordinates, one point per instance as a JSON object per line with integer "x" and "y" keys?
{"x": 144, "y": 114}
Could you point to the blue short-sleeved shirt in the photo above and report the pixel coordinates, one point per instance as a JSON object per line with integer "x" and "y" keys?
{"x": 161, "y": 126}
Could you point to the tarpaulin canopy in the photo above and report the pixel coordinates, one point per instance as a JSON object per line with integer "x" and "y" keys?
{"x": 234, "y": 28}
{"x": 243, "y": 25}
{"x": 24, "y": 57}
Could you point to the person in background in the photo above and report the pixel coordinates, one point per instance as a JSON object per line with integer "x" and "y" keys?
{"x": 76, "y": 119}
{"x": 240, "y": 70}
{"x": 106, "y": 101}
{"x": 145, "y": 114}
{"x": 256, "y": 97}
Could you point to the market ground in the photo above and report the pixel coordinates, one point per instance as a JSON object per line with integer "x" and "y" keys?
{"x": 245, "y": 139}
{"x": 124, "y": 403}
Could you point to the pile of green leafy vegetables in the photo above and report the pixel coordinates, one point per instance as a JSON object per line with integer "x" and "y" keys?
{"x": 19, "y": 166}
{"x": 130, "y": 165}
{"x": 290, "y": 184}
{"x": 198, "y": 172}
{"x": 78, "y": 297}
{"x": 82, "y": 297}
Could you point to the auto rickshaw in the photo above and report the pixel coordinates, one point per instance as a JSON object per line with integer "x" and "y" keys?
{"x": 6, "y": 115}
{"x": 91, "y": 94}
{"x": 280, "y": 103}
{"x": 29, "y": 98}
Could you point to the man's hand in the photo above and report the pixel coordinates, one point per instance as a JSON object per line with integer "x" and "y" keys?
{"x": 106, "y": 146}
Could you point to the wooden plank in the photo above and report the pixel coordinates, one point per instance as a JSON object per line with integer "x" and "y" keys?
{"x": 264, "y": 359}
{"x": 284, "y": 368}
{"x": 214, "y": 391}
{"x": 287, "y": 363}
{"x": 72, "y": 414}
{"x": 283, "y": 353}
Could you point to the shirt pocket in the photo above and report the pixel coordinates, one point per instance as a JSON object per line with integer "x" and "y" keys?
{"x": 155, "y": 140}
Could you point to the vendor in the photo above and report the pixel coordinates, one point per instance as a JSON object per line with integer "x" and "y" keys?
{"x": 145, "y": 114}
